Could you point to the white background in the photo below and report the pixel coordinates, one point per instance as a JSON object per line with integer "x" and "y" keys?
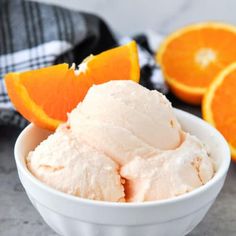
{"x": 132, "y": 16}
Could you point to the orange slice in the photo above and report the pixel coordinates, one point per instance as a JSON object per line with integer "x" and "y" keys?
{"x": 46, "y": 95}
{"x": 191, "y": 58}
{"x": 219, "y": 105}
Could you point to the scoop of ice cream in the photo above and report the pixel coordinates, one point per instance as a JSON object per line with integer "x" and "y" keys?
{"x": 67, "y": 164}
{"x": 168, "y": 174}
{"x": 124, "y": 120}
{"x": 123, "y": 142}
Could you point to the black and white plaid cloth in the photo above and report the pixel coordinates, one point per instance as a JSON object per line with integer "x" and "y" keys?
{"x": 34, "y": 35}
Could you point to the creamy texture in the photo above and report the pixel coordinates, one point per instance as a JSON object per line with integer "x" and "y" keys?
{"x": 124, "y": 120}
{"x": 168, "y": 174}
{"x": 122, "y": 143}
{"x": 65, "y": 163}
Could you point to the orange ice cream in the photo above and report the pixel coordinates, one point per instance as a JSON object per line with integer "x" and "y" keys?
{"x": 122, "y": 143}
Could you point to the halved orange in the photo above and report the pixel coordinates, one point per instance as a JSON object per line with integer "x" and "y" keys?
{"x": 46, "y": 95}
{"x": 219, "y": 105}
{"x": 191, "y": 58}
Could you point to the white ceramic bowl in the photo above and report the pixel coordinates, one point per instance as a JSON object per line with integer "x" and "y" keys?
{"x": 70, "y": 215}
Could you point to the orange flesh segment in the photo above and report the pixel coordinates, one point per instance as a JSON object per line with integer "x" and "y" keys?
{"x": 119, "y": 69}
{"x": 69, "y": 96}
{"x": 224, "y": 108}
{"x": 46, "y": 95}
{"x": 180, "y": 62}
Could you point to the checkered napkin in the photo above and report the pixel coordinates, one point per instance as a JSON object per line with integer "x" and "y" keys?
{"x": 34, "y": 35}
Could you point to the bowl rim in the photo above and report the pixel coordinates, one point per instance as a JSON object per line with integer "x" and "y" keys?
{"x": 220, "y": 173}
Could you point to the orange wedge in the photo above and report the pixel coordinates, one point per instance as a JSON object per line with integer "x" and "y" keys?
{"x": 191, "y": 58}
{"x": 219, "y": 105}
{"x": 46, "y": 95}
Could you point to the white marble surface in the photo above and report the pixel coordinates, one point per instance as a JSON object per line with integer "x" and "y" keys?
{"x": 132, "y": 16}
